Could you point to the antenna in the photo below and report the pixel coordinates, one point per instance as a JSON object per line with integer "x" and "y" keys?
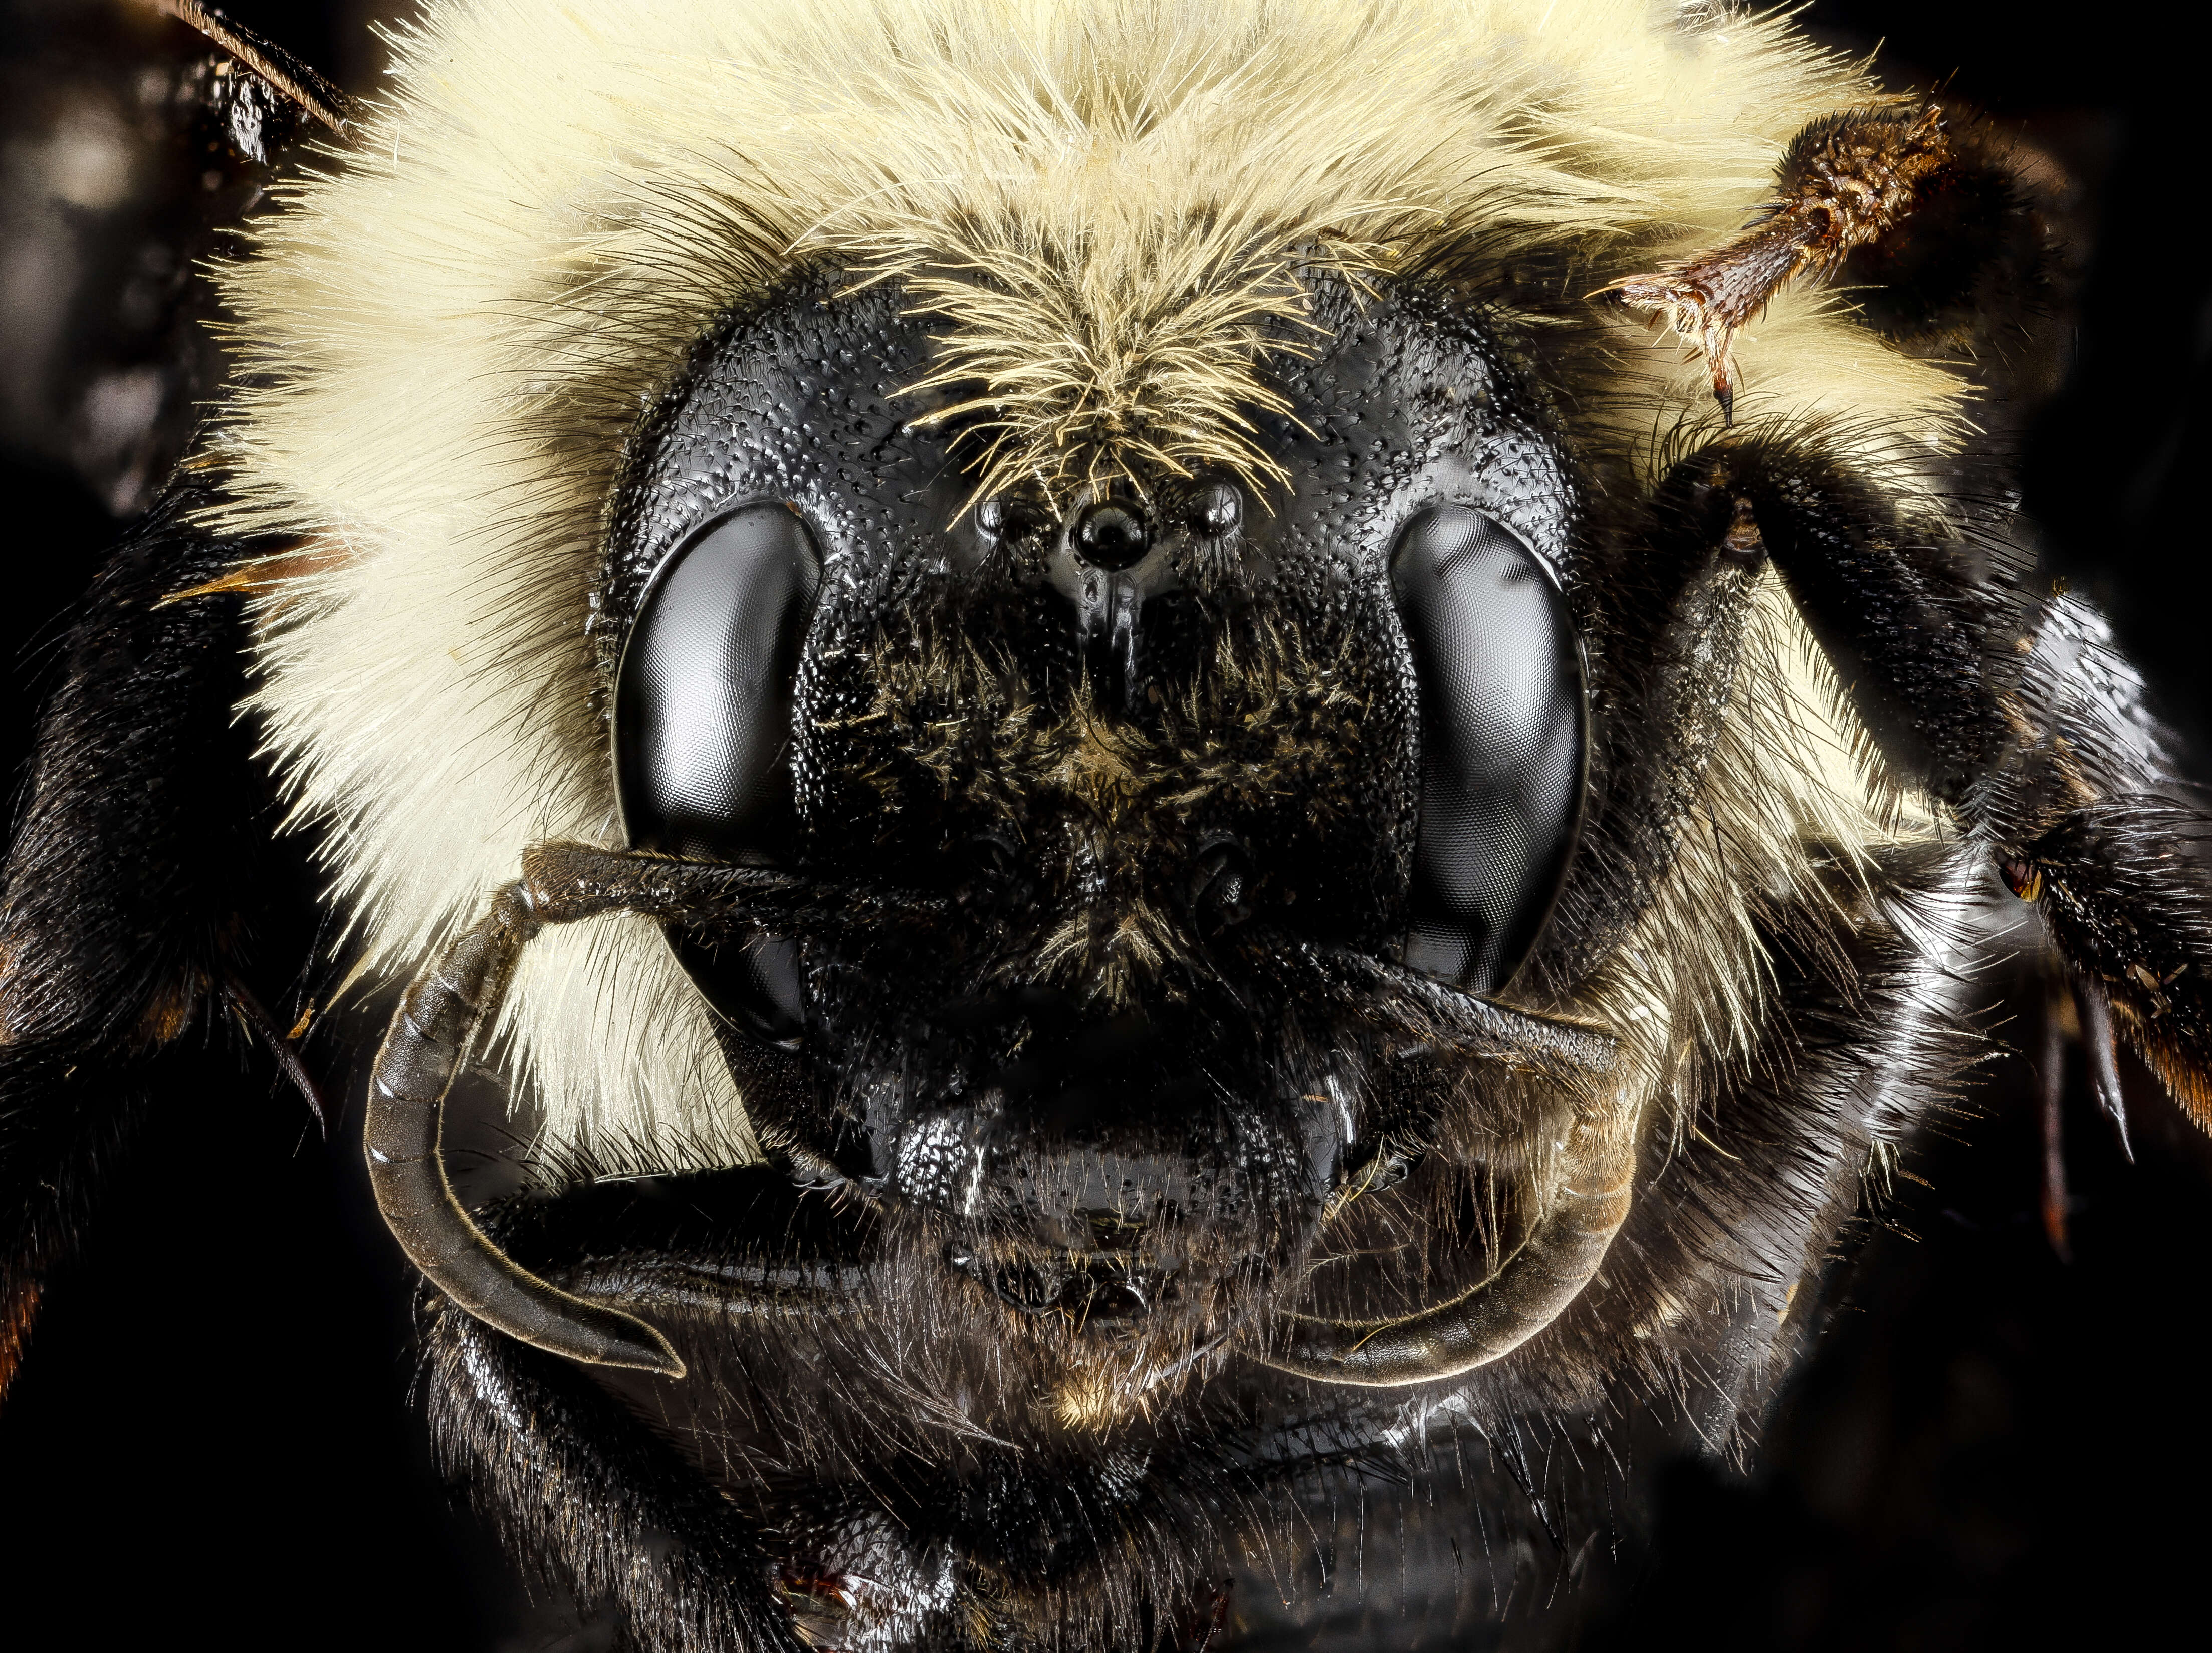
{"x": 270, "y": 62}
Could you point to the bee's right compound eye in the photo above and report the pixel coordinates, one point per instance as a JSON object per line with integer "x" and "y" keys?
{"x": 702, "y": 735}
{"x": 1503, "y": 737}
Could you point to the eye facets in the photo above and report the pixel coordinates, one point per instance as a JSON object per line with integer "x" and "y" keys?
{"x": 1503, "y": 739}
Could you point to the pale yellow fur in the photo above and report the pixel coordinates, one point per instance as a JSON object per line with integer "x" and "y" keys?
{"x": 447, "y": 338}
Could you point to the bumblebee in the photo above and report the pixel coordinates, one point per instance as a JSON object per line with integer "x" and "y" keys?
{"x": 1176, "y": 752}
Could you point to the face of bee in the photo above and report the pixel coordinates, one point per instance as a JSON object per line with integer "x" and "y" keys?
{"x": 1156, "y": 748}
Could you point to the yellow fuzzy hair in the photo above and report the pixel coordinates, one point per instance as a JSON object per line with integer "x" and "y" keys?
{"x": 447, "y": 339}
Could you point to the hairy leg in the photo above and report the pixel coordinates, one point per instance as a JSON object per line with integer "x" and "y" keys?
{"x": 1921, "y": 208}
{"x": 2015, "y": 716}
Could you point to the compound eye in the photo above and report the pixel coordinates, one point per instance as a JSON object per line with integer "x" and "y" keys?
{"x": 1503, "y": 736}
{"x": 702, "y": 727}
{"x": 702, "y": 698}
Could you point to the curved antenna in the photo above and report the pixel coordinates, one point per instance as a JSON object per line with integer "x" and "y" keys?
{"x": 458, "y": 997}
{"x": 286, "y": 73}
{"x": 430, "y": 1038}
{"x": 1534, "y": 1286}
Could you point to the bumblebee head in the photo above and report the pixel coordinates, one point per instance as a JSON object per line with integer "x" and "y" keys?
{"x": 1175, "y": 753}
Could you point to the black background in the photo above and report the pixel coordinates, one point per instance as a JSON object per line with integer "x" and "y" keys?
{"x": 214, "y": 1436}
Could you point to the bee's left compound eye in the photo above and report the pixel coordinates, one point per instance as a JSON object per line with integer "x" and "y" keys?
{"x": 1503, "y": 738}
{"x": 702, "y": 725}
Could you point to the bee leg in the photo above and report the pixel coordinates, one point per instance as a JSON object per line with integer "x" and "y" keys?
{"x": 2095, "y": 1021}
{"x": 2015, "y": 717}
{"x": 1921, "y": 214}
{"x": 1845, "y": 181}
{"x": 578, "y": 1483}
{"x": 2085, "y": 819}
{"x": 2051, "y": 1094}
{"x": 2123, "y": 887}
{"x": 143, "y": 888}
{"x": 1920, "y": 629}
{"x": 2073, "y": 1013}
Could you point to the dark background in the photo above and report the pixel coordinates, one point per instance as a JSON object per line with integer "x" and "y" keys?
{"x": 1992, "y": 1447}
